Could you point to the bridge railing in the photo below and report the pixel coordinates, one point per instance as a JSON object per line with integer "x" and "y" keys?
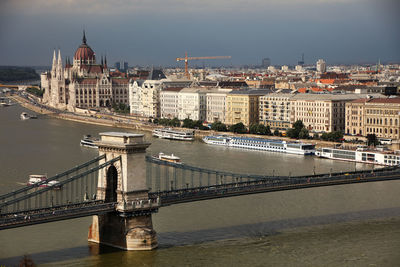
{"x": 169, "y": 176}
{"x": 68, "y": 190}
{"x": 273, "y": 184}
{"x": 75, "y": 170}
{"x": 164, "y": 176}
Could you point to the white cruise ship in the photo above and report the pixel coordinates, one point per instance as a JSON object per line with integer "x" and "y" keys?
{"x": 261, "y": 144}
{"x": 169, "y": 133}
{"x": 362, "y": 154}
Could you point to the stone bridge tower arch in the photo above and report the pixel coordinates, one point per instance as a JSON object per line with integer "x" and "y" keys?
{"x": 123, "y": 182}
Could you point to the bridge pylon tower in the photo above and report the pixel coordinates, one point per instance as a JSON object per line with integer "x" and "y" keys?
{"x": 130, "y": 226}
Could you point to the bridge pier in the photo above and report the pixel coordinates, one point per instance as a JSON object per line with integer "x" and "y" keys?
{"x": 130, "y": 227}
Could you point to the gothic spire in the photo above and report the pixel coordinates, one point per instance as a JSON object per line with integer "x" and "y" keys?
{"x": 59, "y": 62}
{"x": 54, "y": 65}
{"x": 84, "y": 37}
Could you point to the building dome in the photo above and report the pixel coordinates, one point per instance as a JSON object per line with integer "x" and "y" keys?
{"x": 84, "y": 52}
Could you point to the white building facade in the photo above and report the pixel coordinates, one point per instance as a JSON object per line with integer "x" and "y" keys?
{"x": 192, "y": 104}
{"x": 169, "y": 101}
{"x": 321, "y": 66}
{"x": 216, "y": 105}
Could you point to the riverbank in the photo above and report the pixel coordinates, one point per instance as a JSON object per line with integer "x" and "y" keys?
{"x": 127, "y": 122}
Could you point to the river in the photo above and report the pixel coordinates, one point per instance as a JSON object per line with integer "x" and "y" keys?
{"x": 348, "y": 225}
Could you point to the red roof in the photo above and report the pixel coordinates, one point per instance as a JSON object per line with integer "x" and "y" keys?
{"x": 95, "y": 69}
{"x": 84, "y": 52}
{"x": 88, "y": 81}
{"x": 120, "y": 81}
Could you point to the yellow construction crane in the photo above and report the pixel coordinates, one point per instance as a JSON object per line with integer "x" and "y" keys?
{"x": 186, "y": 59}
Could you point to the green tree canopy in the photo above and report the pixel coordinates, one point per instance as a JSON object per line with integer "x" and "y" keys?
{"x": 372, "y": 140}
{"x": 219, "y": 126}
{"x": 238, "y": 128}
{"x": 303, "y": 134}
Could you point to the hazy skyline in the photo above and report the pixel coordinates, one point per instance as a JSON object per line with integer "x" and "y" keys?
{"x": 155, "y": 32}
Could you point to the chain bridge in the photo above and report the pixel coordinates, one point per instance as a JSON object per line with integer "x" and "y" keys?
{"x": 122, "y": 187}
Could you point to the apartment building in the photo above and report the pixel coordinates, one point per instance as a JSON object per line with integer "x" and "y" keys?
{"x": 379, "y": 116}
{"x": 169, "y": 102}
{"x": 242, "y": 106}
{"x": 192, "y": 103}
{"x": 275, "y": 110}
{"x": 321, "y": 112}
{"x": 144, "y": 95}
{"x": 216, "y": 105}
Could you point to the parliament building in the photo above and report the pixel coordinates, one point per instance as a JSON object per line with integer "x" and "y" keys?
{"x": 84, "y": 83}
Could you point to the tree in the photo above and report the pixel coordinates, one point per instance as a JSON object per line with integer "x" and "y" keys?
{"x": 258, "y": 128}
{"x": 218, "y": 126}
{"x": 303, "y": 134}
{"x": 298, "y": 125}
{"x": 332, "y": 136}
{"x": 277, "y": 133}
{"x": 175, "y": 122}
{"x": 291, "y": 133}
{"x": 188, "y": 123}
{"x": 238, "y": 128}
{"x": 264, "y": 130}
{"x": 372, "y": 140}
{"x": 298, "y": 131}
{"x": 253, "y": 128}
{"x": 35, "y": 91}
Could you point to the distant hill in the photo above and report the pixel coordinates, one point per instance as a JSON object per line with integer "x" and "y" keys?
{"x": 11, "y": 73}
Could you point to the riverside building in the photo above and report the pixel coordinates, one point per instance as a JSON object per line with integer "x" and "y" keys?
{"x": 145, "y": 94}
{"x": 321, "y": 112}
{"x": 275, "y": 110}
{"x": 84, "y": 84}
{"x": 379, "y": 116}
{"x": 242, "y": 106}
{"x": 216, "y": 105}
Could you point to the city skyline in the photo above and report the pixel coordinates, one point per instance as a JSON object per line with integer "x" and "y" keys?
{"x": 156, "y": 32}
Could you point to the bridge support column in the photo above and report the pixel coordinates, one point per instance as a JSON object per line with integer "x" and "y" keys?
{"x": 130, "y": 227}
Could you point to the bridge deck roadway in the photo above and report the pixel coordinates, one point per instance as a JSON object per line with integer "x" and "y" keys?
{"x": 53, "y": 214}
{"x": 267, "y": 185}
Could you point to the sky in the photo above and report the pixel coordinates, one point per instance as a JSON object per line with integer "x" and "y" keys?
{"x": 155, "y": 32}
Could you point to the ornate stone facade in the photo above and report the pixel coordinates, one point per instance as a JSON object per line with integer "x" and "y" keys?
{"x": 84, "y": 84}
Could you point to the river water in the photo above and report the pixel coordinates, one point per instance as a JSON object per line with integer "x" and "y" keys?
{"x": 349, "y": 225}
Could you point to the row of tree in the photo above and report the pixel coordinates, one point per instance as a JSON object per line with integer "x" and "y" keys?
{"x": 298, "y": 131}
{"x": 35, "y": 91}
{"x": 121, "y": 108}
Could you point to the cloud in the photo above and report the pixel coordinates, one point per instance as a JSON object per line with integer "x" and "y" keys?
{"x": 106, "y": 7}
